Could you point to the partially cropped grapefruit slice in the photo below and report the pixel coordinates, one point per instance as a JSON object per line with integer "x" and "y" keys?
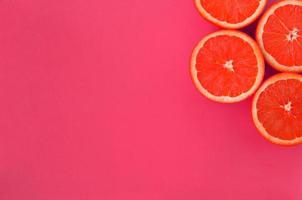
{"x": 277, "y": 109}
{"x": 227, "y": 66}
{"x": 230, "y": 14}
{"x": 279, "y": 35}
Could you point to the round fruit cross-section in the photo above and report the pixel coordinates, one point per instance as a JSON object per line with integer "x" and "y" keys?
{"x": 230, "y": 14}
{"x": 279, "y": 34}
{"x": 277, "y": 109}
{"x": 227, "y": 66}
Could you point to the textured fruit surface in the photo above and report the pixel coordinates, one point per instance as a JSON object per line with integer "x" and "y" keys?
{"x": 227, "y": 66}
{"x": 279, "y": 35}
{"x": 277, "y": 109}
{"x": 230, "y": 13}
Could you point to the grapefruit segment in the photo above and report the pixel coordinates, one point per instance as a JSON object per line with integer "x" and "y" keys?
{"x": 231, "y": 14}
{"x": 227, "y": 66}
{"x": 279, "y": 34}
{"x": 277, "y": 109}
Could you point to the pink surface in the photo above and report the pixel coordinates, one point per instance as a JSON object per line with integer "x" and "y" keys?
{"x": 97, "y": 104}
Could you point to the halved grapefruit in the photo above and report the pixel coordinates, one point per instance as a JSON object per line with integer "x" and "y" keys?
{"x": 230, "y": 14}
{"x": 227, "y": 66}
{"x": 279, "y": 34}
{"x": 277, "y": 109}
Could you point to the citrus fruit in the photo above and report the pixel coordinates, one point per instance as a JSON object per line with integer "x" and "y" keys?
{"x": 230, "y": 14}
{"x": 279, "y": 34}
{"x": 277, "y": 109}
{"x": 227, "y": 66}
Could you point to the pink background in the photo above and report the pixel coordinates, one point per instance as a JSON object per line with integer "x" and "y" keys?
{"x": 97, "y": 103}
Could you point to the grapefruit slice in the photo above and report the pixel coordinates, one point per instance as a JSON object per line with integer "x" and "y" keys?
{"x": 279, "y": 34}
{"x": 277, "y": 109}
{"x": 227, "y": 66}
{"x": 230, "y": 14}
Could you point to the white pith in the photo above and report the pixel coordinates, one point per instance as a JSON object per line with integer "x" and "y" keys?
{"x": 229, "y": 65}
{"x": 293, "y": 35}
{"x": 287, "y": 107}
